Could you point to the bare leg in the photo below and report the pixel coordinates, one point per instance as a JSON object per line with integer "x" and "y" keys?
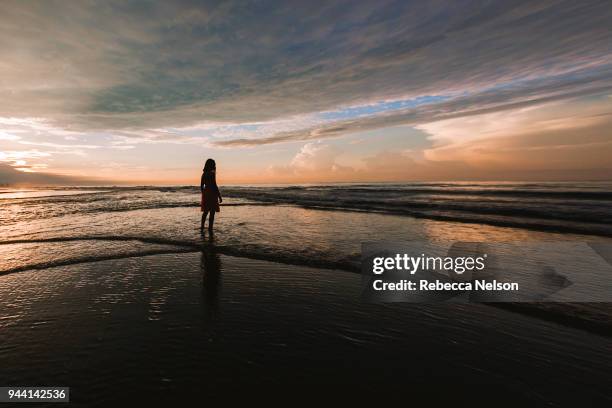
{"x": 211, "y": 221}
{"x": 204, "y": 214}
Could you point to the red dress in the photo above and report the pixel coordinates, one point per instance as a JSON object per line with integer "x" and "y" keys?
{"x": 210, "y": 192}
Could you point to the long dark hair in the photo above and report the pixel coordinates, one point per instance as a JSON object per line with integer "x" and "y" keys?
{"x": 210, "y": 165}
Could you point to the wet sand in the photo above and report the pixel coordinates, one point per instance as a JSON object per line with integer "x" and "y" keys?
{"x": 206, "y": 325}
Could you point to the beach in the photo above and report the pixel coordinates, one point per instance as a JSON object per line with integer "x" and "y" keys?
{"x": 295, "y": 202}
{"x": 117, "y": 294}
{"x": 201, "y": 322}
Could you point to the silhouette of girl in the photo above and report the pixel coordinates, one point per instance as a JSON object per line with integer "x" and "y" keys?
{"x": 211, "y": 196}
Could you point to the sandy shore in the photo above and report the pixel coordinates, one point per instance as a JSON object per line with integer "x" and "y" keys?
{"x": 183, "y": 324}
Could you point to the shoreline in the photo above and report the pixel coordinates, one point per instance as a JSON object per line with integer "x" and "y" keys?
{"x": 204, "y": 317}
{"x": 435, "y": 210}
{"x": 555, "y": 312}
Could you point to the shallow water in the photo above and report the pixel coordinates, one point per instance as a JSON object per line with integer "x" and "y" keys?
{"x": 41, "y": 232}
{"x": 567, "y": 207}
{"x": 77, "y": 294}
{"x": 205, "y": 325}
{"x": 275, "y": 231}
{"x": 576, "y": 207}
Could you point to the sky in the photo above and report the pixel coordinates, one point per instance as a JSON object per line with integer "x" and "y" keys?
{"x": 143, "y": 92}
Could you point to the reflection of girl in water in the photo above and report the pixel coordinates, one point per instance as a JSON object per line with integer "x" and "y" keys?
{"x": 211, "y": 281}
{"x": 211, "y": 196}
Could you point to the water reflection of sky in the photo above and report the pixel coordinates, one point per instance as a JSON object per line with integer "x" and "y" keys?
{"x": 43, "y": 193}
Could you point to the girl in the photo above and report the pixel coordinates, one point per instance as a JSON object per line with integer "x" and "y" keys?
{"x": 211, "y": 196}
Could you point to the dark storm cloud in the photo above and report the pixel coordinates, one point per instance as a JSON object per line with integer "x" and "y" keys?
{"x": 141, "y": 64}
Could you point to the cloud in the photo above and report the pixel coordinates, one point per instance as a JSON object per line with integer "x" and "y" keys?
{"x": 494, "y": 100}
{"x": 19, "y": 167}
{"x": 100, "y": 78}
{"x": 148, "y": 65}
{"x": 14, "y": 156}
{"x": 315, "y": 160}
{"x": 318, "y": 162}
{"x": 8, "y": 136}
{"x": 60, "y": 146}
{"x": 24, "y": 176}
{"x": 315, "y": 156}
{"x": 581, "y": 145}
{"x": 553, "y": 117}
{"x": 545, "y": 142}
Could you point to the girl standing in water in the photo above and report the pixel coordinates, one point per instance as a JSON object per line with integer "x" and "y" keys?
{"x": 211, "y": 196}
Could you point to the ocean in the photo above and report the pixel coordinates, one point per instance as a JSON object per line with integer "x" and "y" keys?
{"x": 320, "y": 226}
{"x": 582, "y": 208}
{"x": 95, "y": 278}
